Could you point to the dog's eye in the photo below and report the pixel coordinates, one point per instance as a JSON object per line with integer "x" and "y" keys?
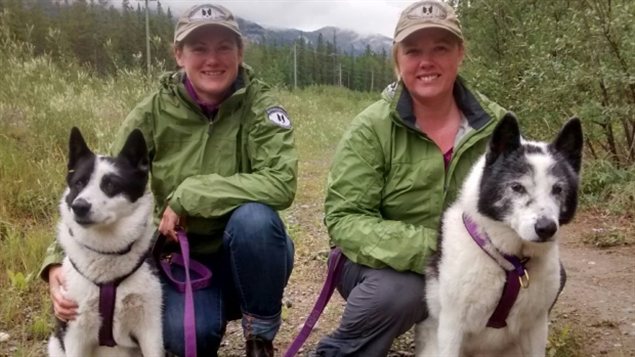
{"x": 518, "y": 188}
{"x": 110, "y": 186}
{"x": 79, "y": 184}
{"x": 556, "y": 190}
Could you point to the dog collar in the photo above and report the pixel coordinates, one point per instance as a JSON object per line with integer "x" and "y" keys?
{"x": 123, "y": 251}
{"x": 516, "y": 274}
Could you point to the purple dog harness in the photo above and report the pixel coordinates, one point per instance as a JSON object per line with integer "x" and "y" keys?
{"x": 516, "y": 274}
{"x": 108, "y": 293}
{"x": 202, "y": 279}
{"x": 107, "y": 297}
{"x": 333, "y": 275}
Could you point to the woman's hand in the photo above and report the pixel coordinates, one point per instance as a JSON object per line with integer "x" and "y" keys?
{"x": 169, "y": 223}
{"x": 64, "y": 309}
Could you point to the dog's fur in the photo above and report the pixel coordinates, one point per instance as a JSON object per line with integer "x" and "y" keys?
{"x": 519, "y": 194}
{"x": 105, "y": 231}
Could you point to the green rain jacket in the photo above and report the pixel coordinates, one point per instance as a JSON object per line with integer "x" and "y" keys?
{"x": 204, "y": 168}
{"x": 388, "y": 186}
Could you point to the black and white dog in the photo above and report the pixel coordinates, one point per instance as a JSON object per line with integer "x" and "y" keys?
{"x": 496, "y": 273}
{"x": 106, "y": 232}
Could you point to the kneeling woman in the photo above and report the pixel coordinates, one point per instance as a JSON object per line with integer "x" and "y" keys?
{"x": 222, "y": 162}
{"x": 395, "y": 170}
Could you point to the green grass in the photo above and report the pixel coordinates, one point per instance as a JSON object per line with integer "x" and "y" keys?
{"x": 604, "y": 183}
{"x": 609, "y": 191}
{"x": 563, "y": 342}
{"x": 610, "y": 235}
{"x": 39, "y": 103}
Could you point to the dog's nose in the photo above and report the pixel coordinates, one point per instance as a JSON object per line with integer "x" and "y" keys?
{"x": 545, "y": 228}
{"x": 80, "y": 207}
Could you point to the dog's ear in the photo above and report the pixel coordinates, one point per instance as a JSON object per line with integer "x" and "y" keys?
{"x": 135, "y": 150}
{"x": 77, "y": 148}
{"x": 569, "y": 143}
{"x": 506, "y": 138}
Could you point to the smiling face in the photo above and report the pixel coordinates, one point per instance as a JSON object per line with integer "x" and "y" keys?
{"x": 428, "y": 62}
{"x": 211, "y": 57}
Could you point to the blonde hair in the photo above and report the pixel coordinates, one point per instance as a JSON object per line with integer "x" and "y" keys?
{"x": 395, "y": 50}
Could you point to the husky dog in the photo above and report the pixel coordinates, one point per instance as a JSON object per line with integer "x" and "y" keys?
{"x": 106, "y": 232}
{"x": 499, "y": 235}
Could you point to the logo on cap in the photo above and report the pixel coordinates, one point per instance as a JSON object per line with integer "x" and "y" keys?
{"x": 208, "y": 13}
{"x": 429, "y": 9}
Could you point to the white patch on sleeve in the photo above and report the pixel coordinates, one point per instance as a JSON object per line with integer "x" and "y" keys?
{"x": 279, "y": 116}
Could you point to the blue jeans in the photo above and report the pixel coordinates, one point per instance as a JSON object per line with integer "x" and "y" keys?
{"x": 249, "y": 275}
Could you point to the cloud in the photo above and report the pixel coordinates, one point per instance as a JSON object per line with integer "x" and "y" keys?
{"x": 364, "y": 17}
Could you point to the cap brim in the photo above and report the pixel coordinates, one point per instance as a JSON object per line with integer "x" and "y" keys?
{"x": 191, "y": 27}
{"x": 409, "y": 31}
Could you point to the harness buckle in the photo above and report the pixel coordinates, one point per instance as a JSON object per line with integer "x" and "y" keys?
{"x": 167, "y": 258}
{"x": 524, "y": 279}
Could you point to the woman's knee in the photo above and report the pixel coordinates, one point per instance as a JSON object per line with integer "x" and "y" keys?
{"x": 254, "y": 219}
{"x": 397, "y": 295}
{"x": 404, "y": 297}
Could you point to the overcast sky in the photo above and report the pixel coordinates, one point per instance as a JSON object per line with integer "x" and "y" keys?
{"x": 362, "y": 16}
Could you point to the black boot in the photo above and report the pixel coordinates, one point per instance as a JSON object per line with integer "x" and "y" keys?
{"x": 258, "y": 347}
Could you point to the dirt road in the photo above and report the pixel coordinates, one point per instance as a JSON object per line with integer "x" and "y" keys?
{"x": 599, "y": 299}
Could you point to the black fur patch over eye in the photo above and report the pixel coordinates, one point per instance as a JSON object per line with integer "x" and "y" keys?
{"x": 79, "y": 176}
{"x": 497, "y": 178}
{"x": 111, "y": 185}
{"x": 126, "y": 180}
{"x": 80, "y": 183}
{"x": 518, "y": 188}
{"x": 566, "y": 189}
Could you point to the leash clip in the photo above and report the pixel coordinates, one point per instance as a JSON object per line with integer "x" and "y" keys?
{"x": 524, "y": 279}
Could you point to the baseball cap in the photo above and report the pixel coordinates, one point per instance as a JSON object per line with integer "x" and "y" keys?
{"x": 203, "y": 15}
{"x": 427, "y": 14}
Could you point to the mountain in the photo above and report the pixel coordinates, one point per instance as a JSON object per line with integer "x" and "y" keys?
{"x": 347, "y": 40}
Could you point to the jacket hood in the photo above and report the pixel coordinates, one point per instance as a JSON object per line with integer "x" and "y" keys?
{"x": 400, "y": 101}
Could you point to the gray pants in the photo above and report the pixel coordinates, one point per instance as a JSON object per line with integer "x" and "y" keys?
{"x": 381, "y": 304}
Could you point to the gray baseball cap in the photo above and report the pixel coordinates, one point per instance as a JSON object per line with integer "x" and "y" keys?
{"x": 203, "y": 15}
{"x": 427, "y": 14}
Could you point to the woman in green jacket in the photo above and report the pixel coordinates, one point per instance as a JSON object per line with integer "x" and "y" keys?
{"x": 398, "y": 166}
{"x": 223, "y": 161}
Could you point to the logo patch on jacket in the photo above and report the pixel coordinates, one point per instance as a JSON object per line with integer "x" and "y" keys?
{"x": 279, "y": 116}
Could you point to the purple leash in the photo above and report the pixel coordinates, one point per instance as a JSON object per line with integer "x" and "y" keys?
{"x": 334, "y": 269}
{"x": 188, "y": 286}
{"x": 514, "y": 276}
